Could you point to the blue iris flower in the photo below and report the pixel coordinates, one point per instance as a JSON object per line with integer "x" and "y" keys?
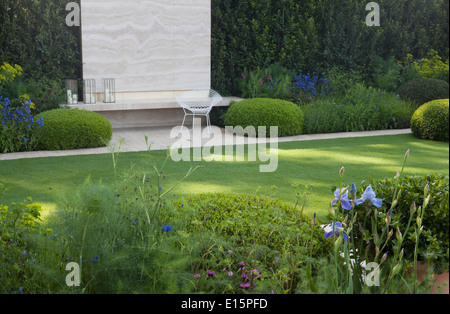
{"x": 345, "y": 203}
{"x": 337, "y": 230}
{"x": 369, "y": 194}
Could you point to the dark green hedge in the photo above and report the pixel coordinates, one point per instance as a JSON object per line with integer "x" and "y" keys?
{"x": 34, "y": 35}
{"x": 72, "y": 128}
{"x": 311, "y": 35}
{"x": 303, "y": 35}
{"x": 422, "y": 90}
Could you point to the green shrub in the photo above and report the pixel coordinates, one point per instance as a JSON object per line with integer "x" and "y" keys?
{"x": 266, "y": 112}
{"x": 71, "y": 129}
{"x": 360, "y": 109}
{"x": 431, "y": 120}
{"x": 251, "y": 219}
{"x": 19, "y": 223}
{"x": 422, "y": 90}
{"x": 434, "y": 242}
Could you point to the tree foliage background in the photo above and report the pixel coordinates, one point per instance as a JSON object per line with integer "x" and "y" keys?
{"x": 302, "y": 35}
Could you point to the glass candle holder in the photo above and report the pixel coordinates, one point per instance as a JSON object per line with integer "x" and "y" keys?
{"x": 109, "y": 90}
{"x": 72, "y": 91}
{"x": 89, "y": 91}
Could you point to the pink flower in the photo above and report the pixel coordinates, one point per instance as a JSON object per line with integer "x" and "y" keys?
{"x": 243, "y": 76}
{"x": 210, "y": 272}
{"x": 197, "y": 276}
{"x": 246, "y": 285}
{"x": 241, "y": 264}
{"x": 230, "y": 273}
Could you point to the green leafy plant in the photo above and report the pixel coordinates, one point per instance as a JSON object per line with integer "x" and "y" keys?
{"x": 272, "y": 82}
{"x": 19, "y": 223}
{"x": 434, "y": 243}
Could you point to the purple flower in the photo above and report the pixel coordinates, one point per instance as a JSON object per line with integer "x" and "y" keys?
{"x": 197, "y": 276}
{"x": 337, "y": 230}
{"x": 369, "y": 194}
{"x": 244, "y": 285}
{"x": 345, "y": 203}
{"x": 211, "y": 273}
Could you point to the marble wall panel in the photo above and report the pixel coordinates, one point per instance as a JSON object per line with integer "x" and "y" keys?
{"x": 147, "y": 45}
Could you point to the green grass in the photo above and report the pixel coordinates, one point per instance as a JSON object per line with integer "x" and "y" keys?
{"x": 312, "y": 163}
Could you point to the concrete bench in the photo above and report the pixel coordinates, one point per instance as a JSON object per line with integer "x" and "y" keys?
{"x": 143, "y": 112}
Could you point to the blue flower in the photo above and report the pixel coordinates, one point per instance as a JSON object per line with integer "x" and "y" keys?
{"x": 337, "y": 230}
{"x": 345, "y": 203}
{"x": 369, "y": 194}
{"x": 353, "y": 191}
{"x": 95, "y": 259}
{"x": 167, "y": 228}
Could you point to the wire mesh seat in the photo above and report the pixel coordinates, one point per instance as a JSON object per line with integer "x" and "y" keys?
{"x": 198, "y": 103}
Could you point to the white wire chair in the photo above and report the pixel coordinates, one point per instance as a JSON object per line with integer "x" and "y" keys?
{"x": 198, "y": 103}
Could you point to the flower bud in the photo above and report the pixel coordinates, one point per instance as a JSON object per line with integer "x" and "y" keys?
{"x": 399, "y": 234}
{"x": 338, "y": 242}
{"x": 407, "y": 153}
{"x": 397, "y": 175}
{"x": 388, "y": 220}
{"x": 344, "y": 223}
{"x": 413, "y": 208}
{"x": 427, "y": 200}
{"x": 427, "y": 188}
{"x": 394, "y": 203}
{"x": 341, "y": 172}
{"x": 332, "y": 212}
{"x": 391, "y": 233}
{"x": 360, "y": 227}
{"x": 396, "y": 269}
{"x": 383, "y": 259}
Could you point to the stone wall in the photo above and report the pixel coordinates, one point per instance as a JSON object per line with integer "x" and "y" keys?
{"x": 147, "y": 45}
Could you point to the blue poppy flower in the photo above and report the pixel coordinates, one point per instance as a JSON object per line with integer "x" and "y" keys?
{"x": 345, "y": 203}
{"x": 369, "y": 194}
{"x": 167, "y": 228}
{"x": 337, "y": 230}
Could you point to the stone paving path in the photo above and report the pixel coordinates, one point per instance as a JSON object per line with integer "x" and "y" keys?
{"x": 160, "y": 139}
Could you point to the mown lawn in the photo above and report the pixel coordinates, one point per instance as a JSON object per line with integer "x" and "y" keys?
{"x": 312, "y": 163}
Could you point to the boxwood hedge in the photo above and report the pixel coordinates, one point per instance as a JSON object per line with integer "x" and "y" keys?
{"x": 287, "y": 116}
{"x": 72, "y": 128}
